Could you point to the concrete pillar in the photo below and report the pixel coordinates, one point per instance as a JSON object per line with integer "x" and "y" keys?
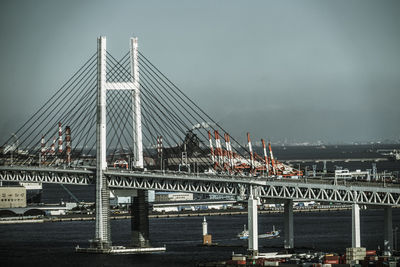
{"x": 289, "y": 237}
{"x": 252, "y": 217}
{"x": 388, "y": 232}
{"x": 103, "y": 234}
{"x": 137, "y": 113}
{"x": 140, "y": 219}
{"x": 355, "y": 229}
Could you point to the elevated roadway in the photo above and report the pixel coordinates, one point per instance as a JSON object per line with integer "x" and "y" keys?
{"x": 364, "y": 193}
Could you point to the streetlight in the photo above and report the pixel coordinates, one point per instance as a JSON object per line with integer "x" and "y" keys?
{"x": 306, "y": 174}
{"x": 384, "y": 178}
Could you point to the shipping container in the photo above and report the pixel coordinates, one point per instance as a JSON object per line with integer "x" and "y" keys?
{"x": 370, "y": 252}
{"x": 331, "y": 261}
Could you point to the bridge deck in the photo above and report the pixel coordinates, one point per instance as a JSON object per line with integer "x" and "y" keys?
{"x": 366, "y": 193}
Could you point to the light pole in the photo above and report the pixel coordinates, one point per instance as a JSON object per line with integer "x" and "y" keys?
{"x": 305, "y": 173}
{"x": 384, "y": 178}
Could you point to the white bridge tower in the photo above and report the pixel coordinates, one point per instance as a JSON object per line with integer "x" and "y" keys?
{"x": 103, "y": 237}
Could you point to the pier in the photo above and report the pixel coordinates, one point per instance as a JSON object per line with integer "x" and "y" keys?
{"x": 318, "y": 160}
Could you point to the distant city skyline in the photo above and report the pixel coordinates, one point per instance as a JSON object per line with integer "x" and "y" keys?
{"x": 301, "y": 71}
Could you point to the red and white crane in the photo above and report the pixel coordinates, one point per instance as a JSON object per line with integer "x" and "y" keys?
{"x": 266, "y": 161}
{"x": 68, "y": 144}
{"x": 211, "y": 147}
{"x": 251, "y": 153}
{"x": 218, "y": 150}
{"x": 42, "y": 150}
{"x": 272, "y": 159}
{"x": 229, "y": 152}
{"x": 60, "y": 140}
{"x": 53, "y": 147}
{"x": 229, "y": 161}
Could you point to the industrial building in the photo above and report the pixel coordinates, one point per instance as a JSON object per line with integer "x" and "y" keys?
{"x": 13, "y": 197}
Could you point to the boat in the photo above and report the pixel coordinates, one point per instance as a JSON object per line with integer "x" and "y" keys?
{"x": 273, "y": 234}
{"x": 243, "y": 234}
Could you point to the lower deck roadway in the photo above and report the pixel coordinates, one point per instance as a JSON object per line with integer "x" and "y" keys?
{"x": 364, "y": 193}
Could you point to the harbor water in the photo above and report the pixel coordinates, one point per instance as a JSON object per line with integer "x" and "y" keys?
{"x": 52, "y": 244}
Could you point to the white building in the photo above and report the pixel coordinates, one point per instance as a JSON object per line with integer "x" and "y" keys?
{"x": 172, "y": 196}
{"x": 123, "y": 197}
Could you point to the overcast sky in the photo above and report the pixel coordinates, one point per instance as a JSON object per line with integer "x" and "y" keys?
{"x": 295, "y": 70}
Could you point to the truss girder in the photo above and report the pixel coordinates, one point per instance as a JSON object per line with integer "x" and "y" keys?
{"x": 211, "y": 184}
{"x": 331, "y": 193}
{"x": 47, "y": 175}
{"x": 170, "y": 184}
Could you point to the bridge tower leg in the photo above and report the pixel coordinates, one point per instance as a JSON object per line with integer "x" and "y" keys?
{"x": 140, "y": 202}
{"x": 288, "y": 214}
{"x": 137, "y": 114}
{"x": 103, "y": 234}
{"x": 388, "y": 232}
{"x": 252, "y": 217}
{"x": 140, "y": 219}
{"x": 355, "y": 233}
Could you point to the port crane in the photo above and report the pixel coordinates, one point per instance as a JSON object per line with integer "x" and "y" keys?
{"x": 225, "y": 160}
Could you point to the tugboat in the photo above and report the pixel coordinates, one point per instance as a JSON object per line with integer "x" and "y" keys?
{"x": 273, "y": 234}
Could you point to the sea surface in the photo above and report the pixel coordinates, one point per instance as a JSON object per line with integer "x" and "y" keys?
{"x": 52, "y": 244}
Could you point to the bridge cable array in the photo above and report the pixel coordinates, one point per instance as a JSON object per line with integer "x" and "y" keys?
{"x": 166, "y": 112}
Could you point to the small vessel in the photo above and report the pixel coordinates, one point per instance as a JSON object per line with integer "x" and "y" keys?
{"x": 273, "y": 234}
{"x": 243, "y": 234}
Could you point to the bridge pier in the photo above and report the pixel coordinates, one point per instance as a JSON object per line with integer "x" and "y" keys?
{"x": 288, "y": 217}
{"x": 252, "y": 218}
{"x": 102, "y": 238}
{"x": 103, "y": 230}
{"x": 355, "y": 229}
{"x": 140, "y": 219}
{"x": 388, "y": 231}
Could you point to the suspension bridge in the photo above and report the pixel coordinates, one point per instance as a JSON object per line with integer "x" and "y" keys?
{"x": 122, "y": 124}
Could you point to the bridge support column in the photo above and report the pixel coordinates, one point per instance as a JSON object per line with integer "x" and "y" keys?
{"x": 289, "y": 237}
{"x": 136, "y": 112}
{"x": 252, "y": 217}
{"x": 140, "y": 219}
{"x": 103, "y": 233}
{"x": 388, "y": 232}
{"x": 355, "y": 229}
